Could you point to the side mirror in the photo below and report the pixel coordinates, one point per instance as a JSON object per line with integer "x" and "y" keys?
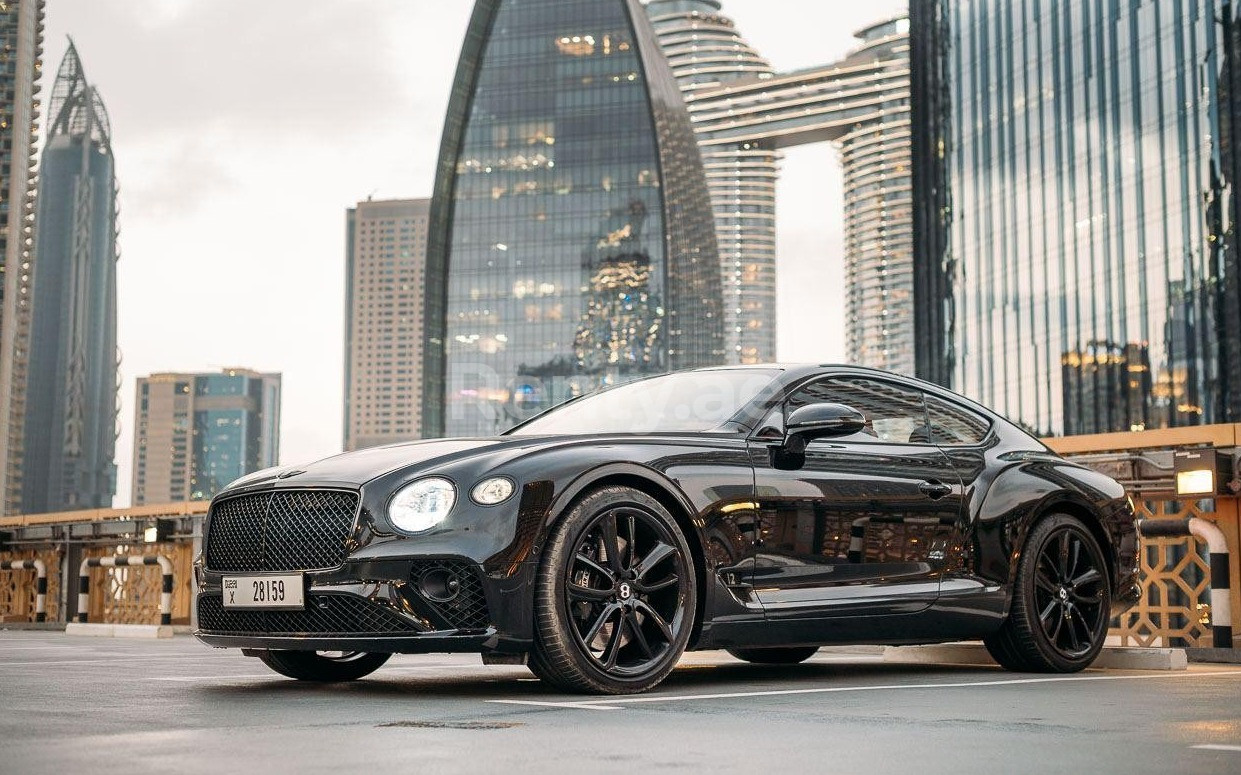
{"x": 817, "y": 421}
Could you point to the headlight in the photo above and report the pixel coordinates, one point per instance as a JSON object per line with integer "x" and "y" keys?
{"x": 491, "y": 491}
{"x": 422, "y": 505}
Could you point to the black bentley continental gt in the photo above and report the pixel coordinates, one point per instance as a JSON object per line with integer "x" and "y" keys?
{"x": 763, "y": 510}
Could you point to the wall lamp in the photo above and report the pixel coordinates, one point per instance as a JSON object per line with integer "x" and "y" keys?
{"x": 1206, "y": 471}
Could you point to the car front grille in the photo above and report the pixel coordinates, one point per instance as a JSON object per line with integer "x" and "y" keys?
{"x": 337, "y": 615}
{"x": 281, "y": 530}
{"x": 466, "y": 607}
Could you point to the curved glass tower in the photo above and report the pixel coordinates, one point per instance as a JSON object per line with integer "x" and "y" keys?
{"x": 571, "y": 239}
{"x": 71, "y": 403}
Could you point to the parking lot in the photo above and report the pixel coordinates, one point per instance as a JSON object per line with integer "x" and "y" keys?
{"x": 95, "y": 704}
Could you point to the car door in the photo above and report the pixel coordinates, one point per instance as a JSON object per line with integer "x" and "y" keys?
{"x": 862, "y": 525}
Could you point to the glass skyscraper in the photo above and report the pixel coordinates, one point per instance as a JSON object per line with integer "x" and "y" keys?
{"x": 71, "y": 389}
{"x": 21, "y": 49}
{"x": 1087, "y": 209}
{"x": 195, "y": 433}
{"x": 571, "y": 241}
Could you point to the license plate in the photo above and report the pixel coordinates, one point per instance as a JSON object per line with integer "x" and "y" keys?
{"x": 286, "y": 592}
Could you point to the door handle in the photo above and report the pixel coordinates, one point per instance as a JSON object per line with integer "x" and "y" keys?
{"x": 935, "y": 489}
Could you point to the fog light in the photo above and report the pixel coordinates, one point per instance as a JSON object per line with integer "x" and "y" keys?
{"x": 440, "y": 586}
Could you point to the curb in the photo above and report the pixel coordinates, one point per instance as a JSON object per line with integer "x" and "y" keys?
{"x": 1111, "y": 658}
{"x": 119, "y": 630}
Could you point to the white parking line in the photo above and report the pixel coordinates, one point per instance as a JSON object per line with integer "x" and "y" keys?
{"x": 113, "y": 661}
{"x": 615, "y": 703}
{"x": 213, "y": 678}
{"x": 1216, "y": 747}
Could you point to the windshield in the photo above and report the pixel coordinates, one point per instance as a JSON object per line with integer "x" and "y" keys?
{"x": 684, "y": 401}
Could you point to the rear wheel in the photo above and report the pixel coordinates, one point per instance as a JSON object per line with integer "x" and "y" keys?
{"x": 1061, "y": 601}
{"x": 324, "y": 666}
{"x": 614, "y": 602}
{"x": 789, "y": 655}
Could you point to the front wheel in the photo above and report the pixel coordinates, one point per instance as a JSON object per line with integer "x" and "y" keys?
{"x": 789, "y": 655}
{"x": 1061, "y": 601}
{"x": 614, "y": 601}
{"x": 324, "y": 666}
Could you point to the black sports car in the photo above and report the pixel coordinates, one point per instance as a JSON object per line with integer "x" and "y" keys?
{"x": 763, "y": 510}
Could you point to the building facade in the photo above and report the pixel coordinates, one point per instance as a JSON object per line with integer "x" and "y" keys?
{"x": 744, "y": 113}
{"x": 71, "y": 384}
{"x": 571, "y": 240}
{"x": 1090, "y": 246}
{"x": 196, "y": 432}
{"x": 385, "y": 260}
{"x": 21, "y": 51}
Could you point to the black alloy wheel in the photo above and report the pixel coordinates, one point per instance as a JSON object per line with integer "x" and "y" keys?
{"x": 616, "y": 594}
{"x": 785, "y": 655}
{"x": 1061, "y": 601}
{"x": 324, "y": 666}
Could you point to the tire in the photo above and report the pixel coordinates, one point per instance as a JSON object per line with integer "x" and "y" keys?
{"x": 1061, "y": 601}
{"x": 615, "y": 596}
{"x": 790, "y": 655}
{"x": 322, "y": 666}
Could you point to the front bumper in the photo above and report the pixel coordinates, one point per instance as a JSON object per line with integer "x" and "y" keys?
{"x": 407, "y": 605}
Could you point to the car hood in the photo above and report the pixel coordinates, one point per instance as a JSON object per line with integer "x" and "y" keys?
{"x": 363, "y": 465}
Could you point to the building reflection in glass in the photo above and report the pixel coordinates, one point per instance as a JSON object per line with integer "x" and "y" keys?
{"x": 571, "y": 240}
{"x": 1086, "y": 152}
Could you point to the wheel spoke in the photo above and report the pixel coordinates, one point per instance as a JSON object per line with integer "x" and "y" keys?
{"x": 612, "y": 650}
{"x": 633, "y": 541}
{"x": 1054, "y": 635}
{"x": 604, "y": 616}
{"x": 1073, "y": 640}
{"x": 639, "y": 637}
{"x": 658, "y": 585}
{"x": 1064, "y": 555}
{"x": 596, "y": 567}
{"x": 653, "y": 558}
{"x": 1075, "y": 557}
{"x": 1044, "y": 581}
{"x": 1091, "y": 576}
{"x": 579, "y": 592}
{"x": 1046, "y": 616}
{"x": 610, "y": 544}
{"x": 664, "y": 629}
{"x": 1087, "y": 632}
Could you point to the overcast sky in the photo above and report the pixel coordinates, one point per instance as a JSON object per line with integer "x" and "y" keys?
{"x": 243, "y": 130}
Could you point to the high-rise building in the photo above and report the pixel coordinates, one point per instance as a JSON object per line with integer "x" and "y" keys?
{"x": 195, "y": 433}
{"x": 744, "y": 113}
{"x": 1083, "y": 224}
{"x": 385, "y": 258}
{"x": 571, "y": 239}
{"x": 21, "y": 51}
{"x": 71, "y": 384}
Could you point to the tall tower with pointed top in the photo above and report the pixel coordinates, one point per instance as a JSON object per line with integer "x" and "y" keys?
{"x": 21, "y": 51}
{"x": 72, "y": 391}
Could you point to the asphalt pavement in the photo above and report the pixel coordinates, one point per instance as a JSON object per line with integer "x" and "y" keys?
{"x": 77, "y": 704}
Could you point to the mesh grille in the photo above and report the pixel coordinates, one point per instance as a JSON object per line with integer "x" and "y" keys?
{"x": 468, "y": 609}
{"x": 289, "y": 530}
{"x": 341, "y": 615}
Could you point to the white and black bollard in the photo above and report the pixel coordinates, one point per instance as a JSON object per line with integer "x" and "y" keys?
{"x": 1204, "y": 530}
{"x": 121, "y": 561}
{"x": 40, "y": 591}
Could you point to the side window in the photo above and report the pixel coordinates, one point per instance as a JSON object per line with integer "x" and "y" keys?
{"x": 953, "y": 426}
{"x": 893, "y": 413}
